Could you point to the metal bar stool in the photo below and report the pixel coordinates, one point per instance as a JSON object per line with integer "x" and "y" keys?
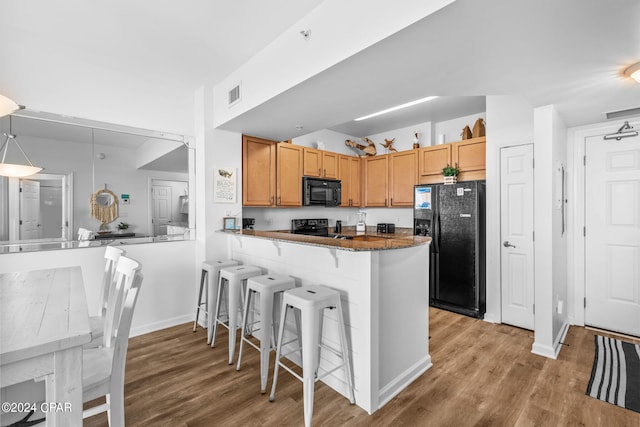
{"x": 210, "y": 275}
{"x": 233, "y": 278}
{"x": 268, "y": 286}
{"x": 312, "y": 301}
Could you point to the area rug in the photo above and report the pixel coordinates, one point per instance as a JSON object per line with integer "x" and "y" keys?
{"x": 615, "y": 377}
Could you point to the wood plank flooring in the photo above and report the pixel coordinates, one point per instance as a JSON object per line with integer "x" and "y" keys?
{"x": 482, "y": 375}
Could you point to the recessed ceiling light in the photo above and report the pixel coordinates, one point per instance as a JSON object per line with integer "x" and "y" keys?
{"x": 633, "y": 72}
{"x": 397, "y": 107}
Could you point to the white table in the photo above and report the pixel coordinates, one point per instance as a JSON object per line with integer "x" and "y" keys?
{"x": 44, "y": 322}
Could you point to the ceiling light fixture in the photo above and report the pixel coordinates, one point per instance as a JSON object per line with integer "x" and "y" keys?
{"x": 13, "y": 169}
{"x": 397, "y": 107}
{"x": 7, "y": 106}
{"x": 633, "y": 72}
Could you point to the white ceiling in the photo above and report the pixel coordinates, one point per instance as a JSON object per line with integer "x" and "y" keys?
{"x": 569, "y": 53}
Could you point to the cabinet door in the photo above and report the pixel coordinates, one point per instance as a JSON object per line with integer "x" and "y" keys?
{"x": 344, "y": 166}
{"x": 329, "y": 165}
{"x": 355, "y": 176}
{"x": 312, "y": 162}
{"x": 403, "y": 175}
{"x": 376, "y": 177}
{"x": 470, "y": 155}
{"x": 289, "y": 161}
{"x": 431, "y": 162}
{"x": 349, "y": 174}
{"x": 258, "y": 171}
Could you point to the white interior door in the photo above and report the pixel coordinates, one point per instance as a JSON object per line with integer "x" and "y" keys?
{"x": 29, "y": 209}
{"x": 516, "y": 231}
{"x": 612, "y": 240}
{"x": 161, "y": 201}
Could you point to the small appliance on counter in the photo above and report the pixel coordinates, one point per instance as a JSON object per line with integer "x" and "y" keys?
{"x": 248, "y": 223}
{"x": 361, "y": 225}
{"x": 338, "y": 228}
{"x": 386, "y": 227}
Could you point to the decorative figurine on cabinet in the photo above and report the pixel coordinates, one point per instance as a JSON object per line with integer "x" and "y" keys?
{"x": 369, "y": 150}
{"x": 388, "y": 144}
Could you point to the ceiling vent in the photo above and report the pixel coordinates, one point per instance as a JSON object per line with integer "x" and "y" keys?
{"x": 234, "y": 95}
{"x": 623, "y": 113}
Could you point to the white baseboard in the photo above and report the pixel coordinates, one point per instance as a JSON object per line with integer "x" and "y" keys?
{"x": 402, "y": 381}
{"x": 491, "y": 318}
{"x": 553, "y": 351}
{"x": 162, "y": 324}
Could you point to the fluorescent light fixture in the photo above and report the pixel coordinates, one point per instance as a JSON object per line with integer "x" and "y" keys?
{"x": 397, "y": 107}
{"x": 633, "y": 72}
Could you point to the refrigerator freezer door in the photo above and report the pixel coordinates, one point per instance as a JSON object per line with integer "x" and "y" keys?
{"x": 457, "y": 269}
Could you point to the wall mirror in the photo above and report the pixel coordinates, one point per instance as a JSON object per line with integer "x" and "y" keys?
{"x": 124, "y": 184}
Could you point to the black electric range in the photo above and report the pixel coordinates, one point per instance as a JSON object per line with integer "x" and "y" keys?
{"x": 310, "y": 227}
{"x": 315, "y": 227}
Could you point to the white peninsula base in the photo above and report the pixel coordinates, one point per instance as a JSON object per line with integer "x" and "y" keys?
{"x": 385, "y": 297}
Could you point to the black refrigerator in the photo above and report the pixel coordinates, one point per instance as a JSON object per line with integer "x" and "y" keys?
{"x": 454, "y": 216}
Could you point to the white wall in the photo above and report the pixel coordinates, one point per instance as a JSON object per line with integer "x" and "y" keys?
{"x": 332, "y": 140}
{"x": 452, "y": 129}
{"x": 404, "y": 137}
{"x": 509, "y": 123}
{"x": 550, "y": 244}
{"x": 167, "y": 296}
{"x": 338, "y": 30}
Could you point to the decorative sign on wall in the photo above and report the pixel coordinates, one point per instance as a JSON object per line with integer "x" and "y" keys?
{"x": 224, "y": 185}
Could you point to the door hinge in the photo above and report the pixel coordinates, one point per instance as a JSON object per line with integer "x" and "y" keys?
{"x": 585, "y": 302}
{"x": 584, "y": 160}
{"x": 584, "y": 231}
{"x": 20, "y": 222}
{"x": 533, "y": 236}
{"x": 20, "y": 190}
{"x": 534, "y": 309}
{"x": 533, "y": 163}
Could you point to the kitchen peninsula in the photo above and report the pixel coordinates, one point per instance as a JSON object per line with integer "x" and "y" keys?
{"x": 383, "y": 281}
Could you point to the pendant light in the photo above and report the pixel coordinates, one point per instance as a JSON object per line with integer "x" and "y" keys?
{"x": 7, "y": 106}
{"x": 13, "y": 169}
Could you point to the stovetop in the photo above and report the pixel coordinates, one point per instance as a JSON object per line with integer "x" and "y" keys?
{"x": 312, "y": 227}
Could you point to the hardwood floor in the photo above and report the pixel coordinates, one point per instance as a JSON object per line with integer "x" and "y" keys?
{"x": 483, "y": 375}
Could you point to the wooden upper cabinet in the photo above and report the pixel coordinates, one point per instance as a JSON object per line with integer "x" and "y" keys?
{"x": 431, "y": 161}
{"x": 349, "y": 173}
{"x": 403, "y": 175}
{"x": 470, "y": 155}
{"x": 376, "y": 177}
{"x": 258, "y": 171}
{"x": 312, "y": 162}
{"x": 320, "y": 164}
{"x": 289, "y": 175}
{"x": 330, "y": 165}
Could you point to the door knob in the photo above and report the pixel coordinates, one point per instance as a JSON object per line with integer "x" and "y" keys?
{"x": 506, "y": 244}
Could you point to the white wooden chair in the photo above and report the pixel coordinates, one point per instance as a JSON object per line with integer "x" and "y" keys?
{"x": 103, "y": 368}
{"x": 84, "y": 234}
{"x": 111, "y": 256}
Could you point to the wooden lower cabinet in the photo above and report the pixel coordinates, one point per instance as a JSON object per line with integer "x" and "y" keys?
{"x": 376, "y": 179}
{"x": 258, "y": 171}
{"x": 349, "y": 173}
{"x": 289, "y": 175}
{"x": 403, "y": 175}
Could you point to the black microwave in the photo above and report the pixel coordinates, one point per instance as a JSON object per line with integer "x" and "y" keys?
{"x": 321, "y": 191}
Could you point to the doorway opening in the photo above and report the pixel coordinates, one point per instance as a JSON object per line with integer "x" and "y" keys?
{"x": 169, "y": 207}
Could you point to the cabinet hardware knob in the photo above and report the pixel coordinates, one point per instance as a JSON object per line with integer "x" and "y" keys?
{"x": 271, "y": 200}
{"x": 279, "y": 200}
